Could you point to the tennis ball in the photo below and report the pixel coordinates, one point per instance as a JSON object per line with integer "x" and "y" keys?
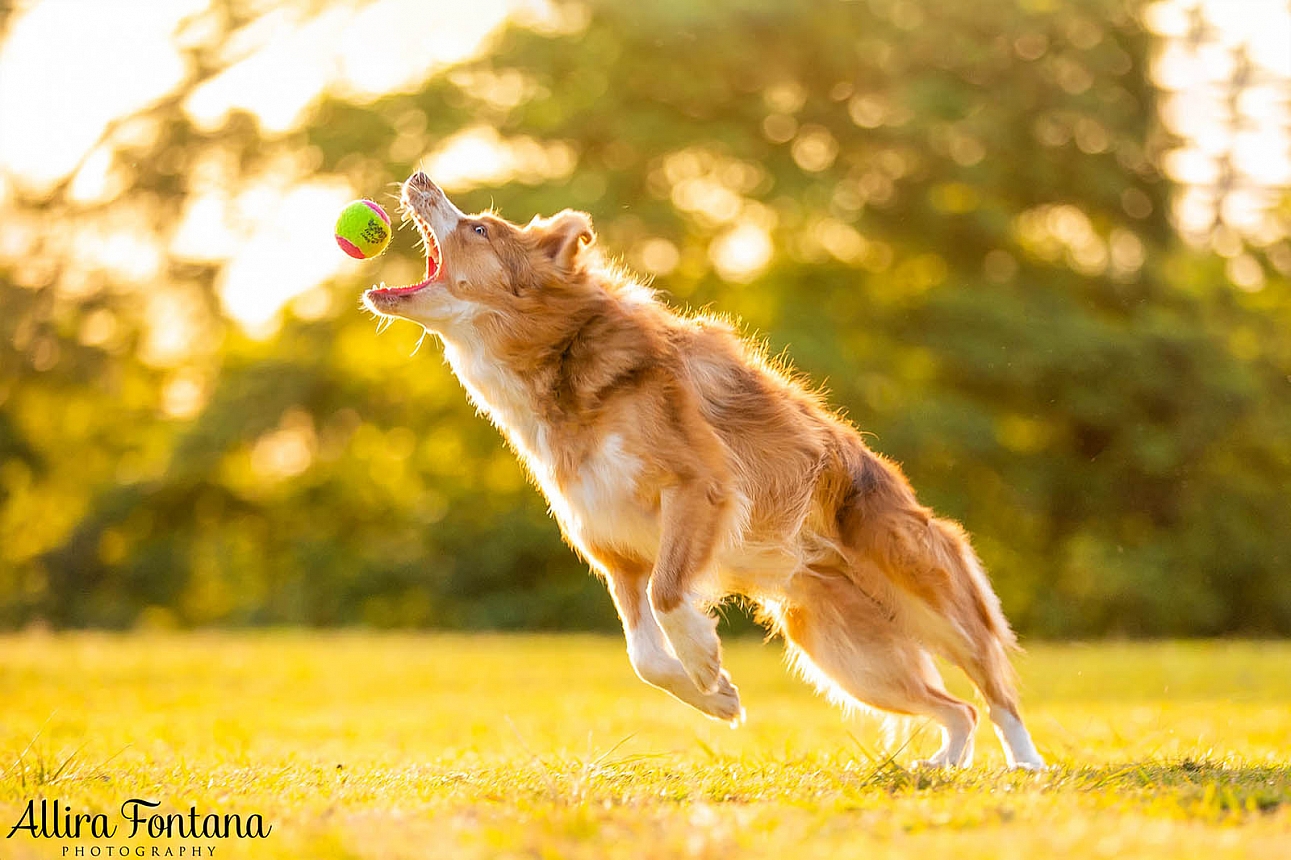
{"x": 363, "y": 230}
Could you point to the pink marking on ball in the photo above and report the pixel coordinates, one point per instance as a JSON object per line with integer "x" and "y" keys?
{"x": 381, "y": 213}
{"x": 350, "y": 248}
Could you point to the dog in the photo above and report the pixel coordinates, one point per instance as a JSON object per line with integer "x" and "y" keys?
{"x": 686, "y": 467}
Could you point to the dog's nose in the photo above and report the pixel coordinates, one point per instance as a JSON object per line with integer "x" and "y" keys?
{"x": 428, "y": 195}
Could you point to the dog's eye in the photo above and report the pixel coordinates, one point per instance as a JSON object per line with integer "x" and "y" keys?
{"x": 480, "y": 231}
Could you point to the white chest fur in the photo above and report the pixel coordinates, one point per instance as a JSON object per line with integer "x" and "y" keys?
{"x": 598, "y": 505}
{"x": 602, "y": 506}
{"x": 500, "y": 395}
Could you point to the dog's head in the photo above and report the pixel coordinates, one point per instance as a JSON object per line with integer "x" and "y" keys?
{"x": 481, "y": 266}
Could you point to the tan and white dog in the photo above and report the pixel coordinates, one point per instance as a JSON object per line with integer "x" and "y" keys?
{"x": 686, "y": 467}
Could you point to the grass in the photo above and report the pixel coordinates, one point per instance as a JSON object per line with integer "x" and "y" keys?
{"x": 388, "y": 746}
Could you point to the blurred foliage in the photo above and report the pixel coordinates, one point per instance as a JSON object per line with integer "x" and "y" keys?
{"x": 970, "y": 244}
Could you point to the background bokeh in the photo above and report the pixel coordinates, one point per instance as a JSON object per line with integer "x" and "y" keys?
{"x": 1039, "y": 251}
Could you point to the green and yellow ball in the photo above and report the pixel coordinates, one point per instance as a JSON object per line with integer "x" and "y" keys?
{"x": 363, "y": 230}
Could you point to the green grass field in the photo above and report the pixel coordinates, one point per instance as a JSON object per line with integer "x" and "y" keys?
{"x": 387, "y": 746}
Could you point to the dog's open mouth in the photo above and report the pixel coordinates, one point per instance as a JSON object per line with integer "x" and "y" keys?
{"x": 434, "y": 258}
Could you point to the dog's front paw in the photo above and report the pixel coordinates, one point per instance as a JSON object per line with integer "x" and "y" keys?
{"x": 724, "y": 702}
{"x": 693, "y": 636}
{"x": 703, "y": 667}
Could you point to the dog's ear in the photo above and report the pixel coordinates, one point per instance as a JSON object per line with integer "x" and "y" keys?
{"x": 564, "y": 235}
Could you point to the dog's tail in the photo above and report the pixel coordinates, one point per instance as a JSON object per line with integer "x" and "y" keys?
{"x": 951, "y": 544}
{"x": 934, "y": 579}
{"x": 945, "y": 597}
{"x": 968, "y": 624}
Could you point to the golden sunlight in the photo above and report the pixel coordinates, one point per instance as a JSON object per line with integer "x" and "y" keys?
{"x": 68, "y": 97}
{"x": 62, "y": 84}
{"x": 65, "y": 91}
{"x": 1225, "y": 69}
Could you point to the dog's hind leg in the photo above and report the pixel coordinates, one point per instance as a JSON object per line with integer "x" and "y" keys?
{"x": 853, "y": 648}
{"x": 988, "y": 666}
{"x": 982, "y": 657}
{"x": 964, "y": 623}
{"x": 648, "y": 648}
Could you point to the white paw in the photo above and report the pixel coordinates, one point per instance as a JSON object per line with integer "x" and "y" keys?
{"x": 724, "y": 702}
{"x": 693, "y": 636}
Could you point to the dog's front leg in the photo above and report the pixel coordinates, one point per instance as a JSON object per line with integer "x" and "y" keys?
{"x": 694, "y": 514}
{"x": 648, "y": 649}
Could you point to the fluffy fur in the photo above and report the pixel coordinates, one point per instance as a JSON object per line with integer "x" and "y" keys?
{"x": 686, "y": 467}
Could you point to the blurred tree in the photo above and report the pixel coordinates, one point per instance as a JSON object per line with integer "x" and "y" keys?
{"x": 952, "y": 213}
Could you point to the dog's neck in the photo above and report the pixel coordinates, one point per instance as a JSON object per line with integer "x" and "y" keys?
{"x": 513, "y": 387}
{"x": 500, "y": 394}
{"x": 547, "y": 375}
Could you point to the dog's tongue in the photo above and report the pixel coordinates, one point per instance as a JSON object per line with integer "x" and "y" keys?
{"x": 432, "y": 269}
{"x": 433, "y": 262}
